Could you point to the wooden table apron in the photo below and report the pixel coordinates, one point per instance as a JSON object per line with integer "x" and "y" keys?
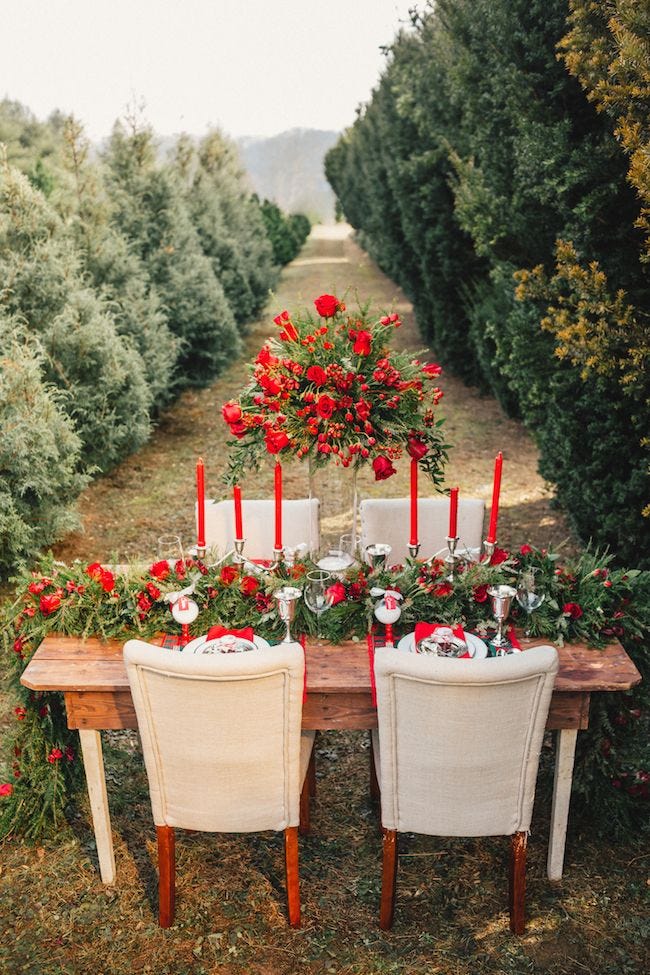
{"x": 92, "y": 677}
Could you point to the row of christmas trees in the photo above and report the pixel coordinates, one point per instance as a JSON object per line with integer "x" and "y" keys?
{"x": 123, "y": 279}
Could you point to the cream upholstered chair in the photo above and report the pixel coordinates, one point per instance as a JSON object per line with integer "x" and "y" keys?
{"x": 223, "y": 748}
{"x": 300, "y": 524}
{"x": 387, "y": 520}
{"x": 457, "y": 752}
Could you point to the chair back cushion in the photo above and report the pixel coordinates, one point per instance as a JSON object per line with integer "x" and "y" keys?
{"x": 387, "y": 520}
{"x": 300, "y": 523}
{"x": 460, "y": 740}
{"x": 220, "y": 735}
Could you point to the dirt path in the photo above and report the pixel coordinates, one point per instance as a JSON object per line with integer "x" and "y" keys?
{"x": 152, "y": 492}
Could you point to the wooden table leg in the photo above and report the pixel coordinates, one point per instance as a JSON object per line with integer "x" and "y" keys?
{"x": 91, "y": 749}
{"x": 565, "y": 749}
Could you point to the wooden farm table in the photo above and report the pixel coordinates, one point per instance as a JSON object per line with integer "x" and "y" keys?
{"x": 92, "y": 677}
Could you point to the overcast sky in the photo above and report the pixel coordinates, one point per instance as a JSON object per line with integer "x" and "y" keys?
{"x": 252, "y": 67}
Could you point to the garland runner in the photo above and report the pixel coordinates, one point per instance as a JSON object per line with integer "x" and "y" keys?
{"x": 586, "y": 600}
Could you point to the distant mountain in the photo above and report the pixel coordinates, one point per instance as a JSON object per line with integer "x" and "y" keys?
{"x": 289, "y": 169}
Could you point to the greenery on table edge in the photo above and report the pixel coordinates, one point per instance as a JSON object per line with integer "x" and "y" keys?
{"x": 586, "y": 600}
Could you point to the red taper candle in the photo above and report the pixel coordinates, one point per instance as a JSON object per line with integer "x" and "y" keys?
{"x": 414, "y": 503}
{"x": 496, "y": 489}
{"x": 453, "y": 513}
{"x": 278, "y": 505}
{"x": 200, "y": 503}
{"x": 239, "y": 523}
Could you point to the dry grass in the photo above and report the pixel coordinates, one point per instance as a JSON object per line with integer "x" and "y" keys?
{"x": 56, "y": 918}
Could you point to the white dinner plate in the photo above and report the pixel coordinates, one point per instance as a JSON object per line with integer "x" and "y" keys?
{"x": 477, "y": 649}
{"x": 201, "y": 644}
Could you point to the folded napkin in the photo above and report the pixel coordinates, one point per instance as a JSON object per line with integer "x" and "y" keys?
{"x": 423, "y": 630}
{"x": 247, "y": 633}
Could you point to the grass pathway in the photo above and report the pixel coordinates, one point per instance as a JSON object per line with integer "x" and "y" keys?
{"x": 152, "y": 492}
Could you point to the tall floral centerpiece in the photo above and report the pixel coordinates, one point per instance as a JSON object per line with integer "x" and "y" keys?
{"x": 329, "y": 389}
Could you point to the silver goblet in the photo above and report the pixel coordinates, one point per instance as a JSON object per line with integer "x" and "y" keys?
{"x": 286, "y": 599}
{"x": 377, "y": 554}
{"x": 501, "y": 599}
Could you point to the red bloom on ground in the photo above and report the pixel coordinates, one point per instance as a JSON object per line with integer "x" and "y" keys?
{"x": 228, "y": 574}
{"x": 325, "y": 406}
{"x": 19, "y": 643}
{"x": 335, "y": 593}
{"x": 231, "y": 411}
{"x": 383, "y": 468}
{"x": 443, "y": 589}
{"x": 276, "y": 440}
{"x": 317, "y": 375}
{"x": 480, "y": 593}
{"x": 6, "y": 788}
{"x": 327, "y": 305}
{"x": 417, "y": 448}
{"x": 54, "y": 755}
{"x": 362, "y": 343}
{"x": 49, "y": 604}
{"x": 20, "y": 713}
{"x": 432, "y": 369}
{"x": 160, "y": 570}
{"x": 526, "y": 549}
{"x": 249, "y": 585}
{"x": 69, "y": 753}
{"x": 572, "y": 610}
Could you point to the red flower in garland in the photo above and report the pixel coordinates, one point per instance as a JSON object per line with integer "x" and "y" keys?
{"x": 317, "y": 375}
{"x": 572, "y": 610}
{"x": 498, "y": 556}
{"x": 54, "y": 755}
{"x": 265, "y": 358}
{"x": 432, "y": 369}
{"x": 6, "y": 788}
{"x": 327, "y": 305}
{"x": 231, "y": 411}
{"x": 526, "y": 549}
{"x": 160, "y": 570}
{"x": 49, "y": 604}
{"x": 276, "y": 440}
{"x": 362, "y": 343}
{"x": 20, "y": 713}
{"x": 228, "y": 574}
{"x": 443, "y": 589}
{"x": 325, "y": 406}
{"x": 101, "y": 575}
{"x": 383, "y": 468}
{"x": 417, "y": 448}
{"x": 153, "y": 591}
{"x": 239, "y": 429}
{"x": 480, "y": 593}
{"x": 335, "y": 593}
{"x": 249, "y": 585}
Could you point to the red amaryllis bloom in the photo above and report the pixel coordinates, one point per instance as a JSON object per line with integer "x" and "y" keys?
{"x": 6, "y": 788}
{"x": 276, "y": 440}
{"x": 327, "y": 305}
{"x": 249, "y": 585}
{"x": 54, "y": 755}
{"x": 362, "y": 343}
{"x": 335, "y": 593}
{"x": 417, "y": 448}
{"x": 572, "y": 610}
{"x": 443, "y": 589}
{"x": 432, "y": 369}
{"x": 526, "y": 549}
{"x": 228, "y": 574}
{"x": 317, "y": 375}
{"x": 231, "y": 411}
{"x": 49, "y": 604}
{"x": 325, "y": 406}
{"x": 160, "y": 570}
{"x": 383, "y": 468}
{"x": 480, "y": 593}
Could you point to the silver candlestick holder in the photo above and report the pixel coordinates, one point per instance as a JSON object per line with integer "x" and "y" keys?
{"x": 501, "y": 599}
{"x": 200, "y": 552}
{"x": 451, "y": 558}
{"x": 239, "y": 550}
{"x": 286, "y": 598}
{"x": 489, "y": 548}
{"x": 377, "y": 554}
{"x": 414, "y": 548}
{"x": 278, "y": 558}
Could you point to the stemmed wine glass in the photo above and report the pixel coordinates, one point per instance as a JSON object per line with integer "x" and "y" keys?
{"x": 170, "y": 547}
{"x": 315, "y": 594}
{"x": 528, "y": 596}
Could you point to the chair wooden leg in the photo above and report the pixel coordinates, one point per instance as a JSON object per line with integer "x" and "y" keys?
{"x": 388, "y": 879}
{"x": 167, "y": 875}
{"x": 311, "y": 773}
{"x": 291, "y": 872}
{"x": 375, "y": 791}
{"x": 517, "y": 885}
{"x": 305, "y": 798}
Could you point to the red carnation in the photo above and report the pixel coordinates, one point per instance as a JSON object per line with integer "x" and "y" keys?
{"x": 231, "y": 411}
{"x": 327, "y": 305}
{"x": 572, "y": 610}
{"x": 249, "y": 585}
{"x": 335, "y": 593}
{"x": 383, "y": 468}
{"x": 362, "y": 343}
{"x": 432, "y": 369}
{"x": 417, "y": 448}
{"x": 228, "y": 574}
{"x": 276, "y": 440}
{"x": 325, "y": 406}
{"x": 160, "y": 570}
{"x": 49, "y": 604}
{"x": 317, "y": 375}
{"x": 6, "y": 788}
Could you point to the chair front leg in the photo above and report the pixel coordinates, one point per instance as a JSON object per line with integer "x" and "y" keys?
{"x": 167, "y": 875}
{"x": 304, "y": 806}
{"x": 388, "y": 879}
{"x": 518, "y": 844}
{"x": 375, "y": 791}
{"x": 291, "y": 873}
{"x": 311, "y": 772}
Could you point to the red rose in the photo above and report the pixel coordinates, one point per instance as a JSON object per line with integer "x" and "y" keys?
{"x": 572, "y": 610}
{"x": 276, "y": 440}
{"x": 383, "y": 468}
{"x": 160, "y": 570}
{"x": 526, "y": 549}
{"x": 325, "y": 406}
{"x": 432, "y": 369}
{"x": 249, "y": 585}
{"x": 54, "y": 755}
{"x": 327, "y": 305}
{"x": 228, "y": 574}
{"x": 317, "y": 375}
{"x": 480, "y": 593}
{"x": 231, "y": 411}
{"x": 238, "y": 429}
{"x": 443, "y": 589}
{"x": 335, "y": 593}
{"x": 362, "y": 343}
{"x": 417, "y": 448}
{"x": 49, "y": 604}
{"x": 6, "y": 788}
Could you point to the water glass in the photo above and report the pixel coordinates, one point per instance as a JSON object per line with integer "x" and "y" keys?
{"x": 315, "y": 594}
{"x": 170, "y": 547}
{"x": 528, "y": 595}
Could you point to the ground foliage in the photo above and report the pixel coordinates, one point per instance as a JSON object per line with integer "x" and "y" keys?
{"x": 477, "y": 153}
